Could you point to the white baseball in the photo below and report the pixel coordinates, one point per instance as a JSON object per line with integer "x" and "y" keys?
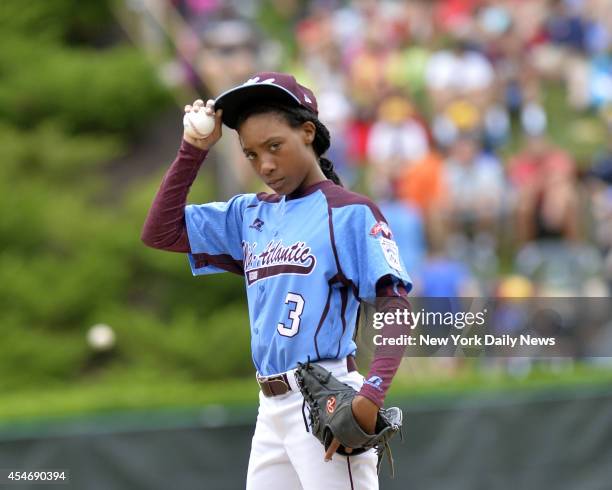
{"x": 101, "y": 337}
{"x": 198, "y": 124}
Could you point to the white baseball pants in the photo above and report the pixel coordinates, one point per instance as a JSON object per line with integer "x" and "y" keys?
{"x": 285, "y": 455}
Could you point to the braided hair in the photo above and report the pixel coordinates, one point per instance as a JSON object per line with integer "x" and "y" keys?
{"x": 295, "y": 116}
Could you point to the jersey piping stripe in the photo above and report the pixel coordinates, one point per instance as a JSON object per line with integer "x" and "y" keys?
{"x": 332, "y": 238}
{"x": 340, "y": 277}
{"x": 344, "y": 299}
{"x": 222, "y": 261}
{"x": 348, "y": 463}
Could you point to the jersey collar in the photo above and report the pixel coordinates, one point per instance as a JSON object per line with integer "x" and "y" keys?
{"x": 309, "y": 190}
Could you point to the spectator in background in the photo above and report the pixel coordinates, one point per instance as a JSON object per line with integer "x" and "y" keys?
{"x": 565, "y": 26}
{"x": 461, "y": 72}
{"x": 229, "y": 55}
{"x": 475, "y": 183}
{"x": 367, "y": 81}
{"x": 406, "y": 64}
{"x": 444, "y": 277}
{"x": 396, "y": 140}
{"x": 422, "y": 185}
{"x": 319, "y": 57}
{"x": 576, "y": 53}
{"x": 455, "y": 17}
{"x": 460, "y": 116}
{"x": 229, "y": 52}
{"x": 493, "y": 19}
{"x": 544, "y": 178}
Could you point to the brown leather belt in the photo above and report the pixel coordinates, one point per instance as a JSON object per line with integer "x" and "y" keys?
{"x": 278, "y": 384}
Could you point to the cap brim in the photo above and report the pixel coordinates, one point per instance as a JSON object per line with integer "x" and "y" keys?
{"x": 235, "y": 100}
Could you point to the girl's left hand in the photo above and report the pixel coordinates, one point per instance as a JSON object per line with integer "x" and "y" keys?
{"x": 365, "y": 412}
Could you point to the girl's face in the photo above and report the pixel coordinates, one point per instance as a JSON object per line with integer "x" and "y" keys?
{"x": 281, "y": 155}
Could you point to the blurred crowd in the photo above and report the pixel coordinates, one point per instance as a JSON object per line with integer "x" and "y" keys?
{"x": 438, "y": 110}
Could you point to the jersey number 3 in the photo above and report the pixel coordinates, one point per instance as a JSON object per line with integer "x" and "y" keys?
{"x": 294, "y": 315}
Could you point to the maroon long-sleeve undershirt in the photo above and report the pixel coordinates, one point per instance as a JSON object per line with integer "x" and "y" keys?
{"x": 165, "y": 226}
{"x": 387, "y": 358}
{"x": 165, "y": 229}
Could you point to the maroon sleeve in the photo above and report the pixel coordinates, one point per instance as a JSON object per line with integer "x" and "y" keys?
{"x": 165, "y": 226}
{"x": 387, "y": 358}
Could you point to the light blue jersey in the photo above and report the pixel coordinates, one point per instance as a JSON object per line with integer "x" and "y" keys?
{"x": 307, "y": 261}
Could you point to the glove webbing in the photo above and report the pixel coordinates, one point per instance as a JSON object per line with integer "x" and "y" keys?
{"x": 382, "y": 449}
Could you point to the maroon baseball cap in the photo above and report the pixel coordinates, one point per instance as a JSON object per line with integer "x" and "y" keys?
{"x": 263, "y": 87}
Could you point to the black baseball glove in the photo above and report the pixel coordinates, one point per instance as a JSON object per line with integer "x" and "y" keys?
{"x": 330, "y": 401}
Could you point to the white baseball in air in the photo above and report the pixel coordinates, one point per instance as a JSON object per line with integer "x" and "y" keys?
{"x": 101, "y": 337}
{"x": 198, "y": 125}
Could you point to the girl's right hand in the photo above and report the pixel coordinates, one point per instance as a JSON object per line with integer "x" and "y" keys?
{"x": 212, "y": 138}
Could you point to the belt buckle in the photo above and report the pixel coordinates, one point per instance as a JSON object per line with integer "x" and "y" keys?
{"x": 269, "y": 383}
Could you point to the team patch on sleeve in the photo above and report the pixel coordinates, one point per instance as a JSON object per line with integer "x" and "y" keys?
{"x": 381, "y": 228}
{"x": 381, "y": 232}
{"x": 391, "y": 253}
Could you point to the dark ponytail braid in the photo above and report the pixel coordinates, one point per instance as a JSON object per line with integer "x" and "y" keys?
{"x": 328, "y": 169}
{"x": 295, "y": 117}
{"x": 320, "y": 145}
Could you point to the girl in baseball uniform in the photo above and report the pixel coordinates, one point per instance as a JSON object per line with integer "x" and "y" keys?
{"x": 309, "y": 252}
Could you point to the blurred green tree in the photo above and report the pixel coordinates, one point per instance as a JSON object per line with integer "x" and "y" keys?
{"x": 73, "y": 96}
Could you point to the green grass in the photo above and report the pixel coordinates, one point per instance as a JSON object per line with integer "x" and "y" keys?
{"x": 154, "y": 393}
{"x": 129, "y": 393}
{"x": 490, "y": 382}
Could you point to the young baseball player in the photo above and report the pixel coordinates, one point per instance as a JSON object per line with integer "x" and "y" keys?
{"x": 310, "y": 253}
